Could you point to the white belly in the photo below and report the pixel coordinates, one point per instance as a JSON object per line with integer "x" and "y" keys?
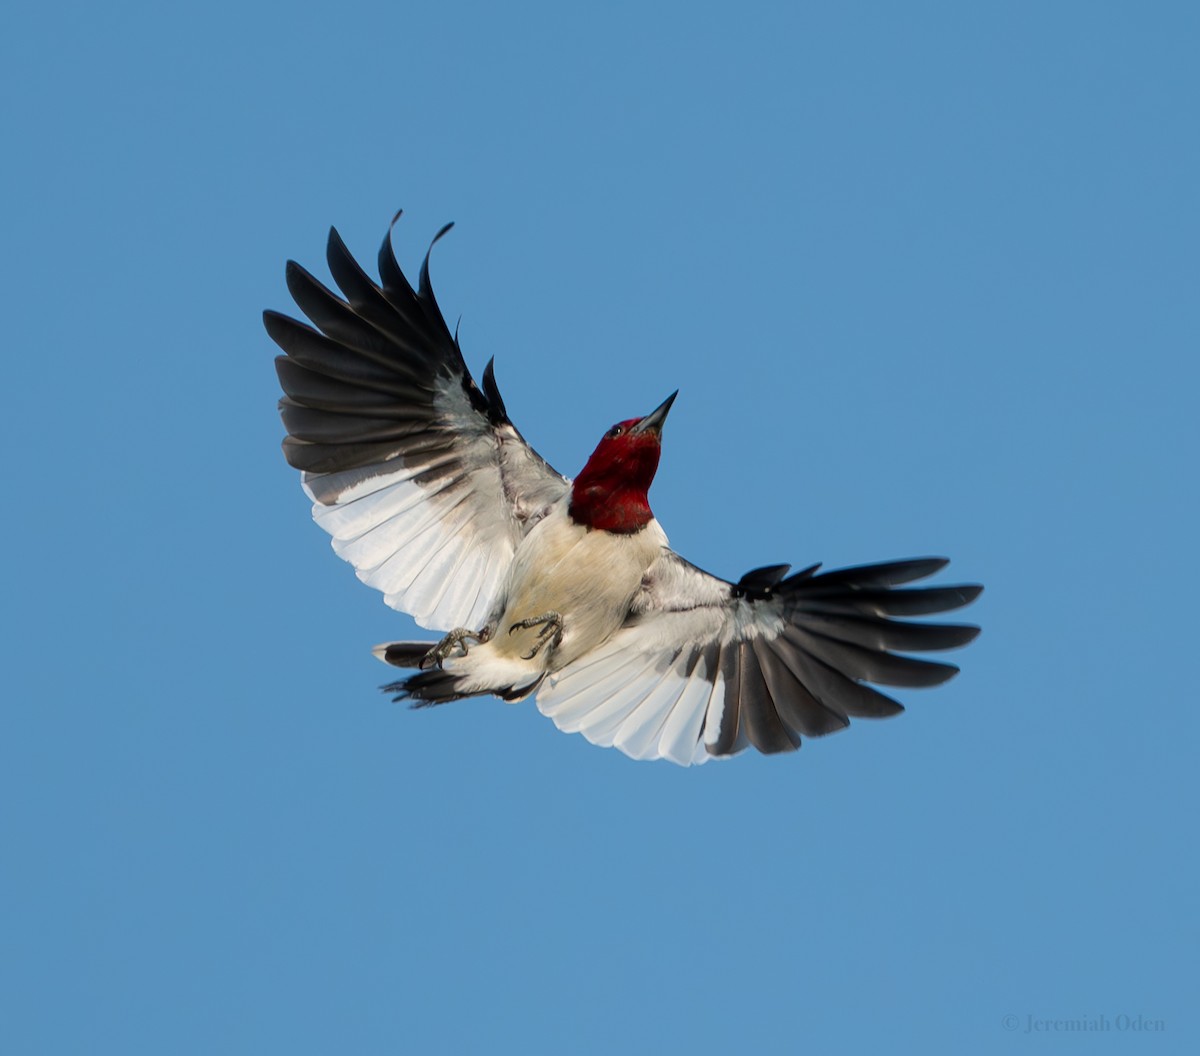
{"x": 587, "y": 577}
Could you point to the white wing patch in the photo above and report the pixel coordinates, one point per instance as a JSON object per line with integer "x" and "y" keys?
{"x": 435, "y": 534}
{"x": 654, "y": 691}
{"x": 423, "y": 548}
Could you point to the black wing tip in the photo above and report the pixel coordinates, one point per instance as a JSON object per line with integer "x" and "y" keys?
{"x": 424, "y": 288}
{"x": 968, "y": 631}
{"x": 278, "y": 325}
{"x": 884, "y": 575}
{"x": 915, "y": 568}
{"x": 342, "y": 262}
{"x": 496, "y": 411}
{"x": 894, "y": 572}
{"x": 803, "y": 574}
{"x": 935, "y": 673}
{"x": 933, "y": 562}
{"x": 772, "y": 748}
{"x": 916, "y": 672}
{"x": 301, "y": 284}
{"x": 760, "y": 583}
{"x": 396, "y": 219}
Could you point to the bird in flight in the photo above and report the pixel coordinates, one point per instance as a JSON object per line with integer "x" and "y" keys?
{"x": 566, "y": 589}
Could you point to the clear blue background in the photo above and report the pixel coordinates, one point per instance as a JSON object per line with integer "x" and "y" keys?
{"x": 926, "y": 275}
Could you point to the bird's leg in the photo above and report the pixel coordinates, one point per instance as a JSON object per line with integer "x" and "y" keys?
{"x": 551, "y": 624}
{"x": 456, "y": 639}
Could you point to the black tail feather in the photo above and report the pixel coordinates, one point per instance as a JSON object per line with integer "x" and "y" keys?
{"x": 437, "y": 686}
{"x": 427, "y": 688}
{"x": 422, "y": 690}
{"x": 403, "y": 654}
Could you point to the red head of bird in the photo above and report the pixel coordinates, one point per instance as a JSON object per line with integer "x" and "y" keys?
{"x": 610, "y": 492}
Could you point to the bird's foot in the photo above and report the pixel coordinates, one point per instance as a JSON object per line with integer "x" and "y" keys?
{"x": 551, "y": 624}
{"x": 456, "y": 639}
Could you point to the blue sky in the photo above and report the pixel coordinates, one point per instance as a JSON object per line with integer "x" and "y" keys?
{"x": 926, "y": 276}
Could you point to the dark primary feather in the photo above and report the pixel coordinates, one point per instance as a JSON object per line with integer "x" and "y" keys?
{"x": 795, "y": 655}
{"x": 364, "y": 381}
{"x": 765, "y": 728}
{"x": 835, "y": 640}
{"x": 495, "y": 404}
{"x": 759, "y": 582}
{"x": 389, "y": 343}
{"x": 379, "y": 402}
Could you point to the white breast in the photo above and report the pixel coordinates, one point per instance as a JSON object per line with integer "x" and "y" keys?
{"x": 587, "y": 576}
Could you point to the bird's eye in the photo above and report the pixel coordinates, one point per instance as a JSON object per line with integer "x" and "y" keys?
{"x": 616, "y": 430}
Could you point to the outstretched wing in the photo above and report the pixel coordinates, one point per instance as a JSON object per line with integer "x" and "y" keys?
{"x": 420, "y": 477}
{"x": 703, "y": 667}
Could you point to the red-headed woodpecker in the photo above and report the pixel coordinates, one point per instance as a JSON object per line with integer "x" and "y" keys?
{"x": 562, "y": 588}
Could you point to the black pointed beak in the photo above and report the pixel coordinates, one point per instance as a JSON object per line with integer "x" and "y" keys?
{"x": 653, "y": 422}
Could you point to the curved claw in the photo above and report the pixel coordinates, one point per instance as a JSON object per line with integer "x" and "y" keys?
{"x": 456, "y": 639}
{"x": 551, "y": 624}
